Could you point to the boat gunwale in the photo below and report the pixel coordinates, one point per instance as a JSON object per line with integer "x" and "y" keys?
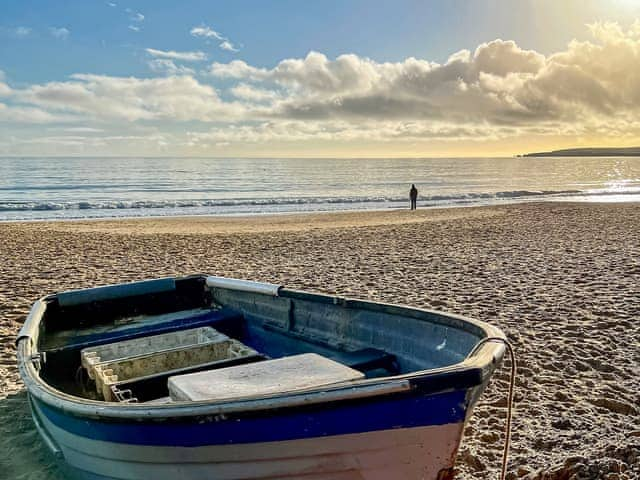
{"x": 479, "y": 364}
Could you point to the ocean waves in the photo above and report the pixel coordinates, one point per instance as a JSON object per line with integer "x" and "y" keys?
{"x": 66, "y": 188}
{"x": 44, "y": 206}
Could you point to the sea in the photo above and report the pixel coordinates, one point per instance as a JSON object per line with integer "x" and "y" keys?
{"x": 57, "y": 188}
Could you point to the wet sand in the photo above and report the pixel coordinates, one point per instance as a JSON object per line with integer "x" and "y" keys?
{"x": 562, "y": 280}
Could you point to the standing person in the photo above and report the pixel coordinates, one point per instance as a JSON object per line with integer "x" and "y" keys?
{"x": 413, "y": 196}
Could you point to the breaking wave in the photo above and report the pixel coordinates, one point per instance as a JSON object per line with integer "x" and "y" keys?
{"x": 266, "y": 202}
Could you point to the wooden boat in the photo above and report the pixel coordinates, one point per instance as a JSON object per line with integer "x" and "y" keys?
{"x": 307, "y": 385}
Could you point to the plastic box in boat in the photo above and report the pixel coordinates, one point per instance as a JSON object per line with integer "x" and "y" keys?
{"x": 288, "y": 374}
{"x": 110, "y": 375}
{"x": 128, "y": 349}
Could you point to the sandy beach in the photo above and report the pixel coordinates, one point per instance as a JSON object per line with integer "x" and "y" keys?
{"x": 562, "y": 280}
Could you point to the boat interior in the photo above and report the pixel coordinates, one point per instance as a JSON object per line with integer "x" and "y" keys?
{"x": 126, "y": 343}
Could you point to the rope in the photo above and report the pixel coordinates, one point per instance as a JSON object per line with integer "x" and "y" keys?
{"x": 512, "y": 383}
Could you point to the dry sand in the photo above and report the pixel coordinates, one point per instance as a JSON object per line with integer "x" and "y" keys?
{"x": 562, "y": 280}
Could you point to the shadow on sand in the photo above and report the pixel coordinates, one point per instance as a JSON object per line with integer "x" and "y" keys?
{"x": 23, "y": 455}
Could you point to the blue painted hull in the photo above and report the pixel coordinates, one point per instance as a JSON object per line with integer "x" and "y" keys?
{"x": 304, "y": 441}
{"x": 407, "y": 411}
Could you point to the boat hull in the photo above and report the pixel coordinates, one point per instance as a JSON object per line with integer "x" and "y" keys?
{"x": 406, "y": 443}
{"x": 407, "y": 424}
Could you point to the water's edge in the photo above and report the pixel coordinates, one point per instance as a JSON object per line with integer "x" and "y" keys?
{"x": 84, "y": 188}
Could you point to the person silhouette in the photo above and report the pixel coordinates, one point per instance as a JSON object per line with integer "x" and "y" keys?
{"x": 413, "y": 196}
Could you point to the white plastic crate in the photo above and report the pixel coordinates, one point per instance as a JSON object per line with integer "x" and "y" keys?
{"x": 109, "y": 375}
{"x": 127, "y": 349}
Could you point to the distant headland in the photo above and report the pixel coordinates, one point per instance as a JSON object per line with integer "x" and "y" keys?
{"x": 588, "y": 152}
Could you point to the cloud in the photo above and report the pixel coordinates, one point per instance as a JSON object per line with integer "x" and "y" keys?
{"x": 59, "y": 32}
{"x": 82, "y": 141}
{"x": 82, "y": 130}
{"x": 19, "y": 32}
{"x": 208, "y": 33}
{"x": 111, "y": 4}
{"x": 204, "y": 31}
{"x": 134, "y": 16}
{"x": 228, "y": 46}
{"x": 244, "y": 91}
{"x": 168, "y": 67}
{"x": 296, "y": 131}
{"x": 499, "y": 83}
{"x": 101, "y": 97}
{"x": 164, "y": 61}
{"x": 5, "y": 90}
{"x": 238, "y": 69}
{"x": 495, "y": 91}
{"x": 502, "y": 58}
{"x": 173, "y": 55}
{"x": 16, "y": 115}
{"x": 134, "y": 28}
{"x": 22, "y": 31}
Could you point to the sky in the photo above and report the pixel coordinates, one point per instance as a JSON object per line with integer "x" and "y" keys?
{"x": 317, "y": 79}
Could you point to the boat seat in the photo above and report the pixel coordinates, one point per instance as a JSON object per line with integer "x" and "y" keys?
{"x": 279, "y": 376}
{"x": 367, "y": 359}
{"x": 155, "y": 386}
{"x": 225, "y": 320}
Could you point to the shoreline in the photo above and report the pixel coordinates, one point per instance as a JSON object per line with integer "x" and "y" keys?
{"x": 559, "y": 278}
{"x": 312, "y": 214}
{"x": 577, "y": 197}
{"x": 257, "y": 214}
{"x": 272, "y": 221}
{"x": 289, "y": 221}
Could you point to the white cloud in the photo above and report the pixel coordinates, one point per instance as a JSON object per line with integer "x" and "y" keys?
{"x": 495, "y": 91}
{"x": 206, "y": 32}
{"x": 174, "y": 98}
{"x": 313, "y": 73}
{"x": 502, "y": 58}
{"x": 291, "y": 131}
{"x": 5, "y": 90}
{"x": 228, "y": 46}
{"x": 237, "y": 69}
{"x": 134, "y": 16}
{"x": 498, "y": 83}
{"x": 173, "y": 55}
{"x": 134, "y": 28}
{"x": 21, "y": 31}
{"x": 16, "y": 115}
{"x": 59, "y": 32}
{"x": 82, "y": 130}
{"x": 244, "y": 91}
{"x": 168, "y": 67}
{"x": 111, "y": 4}
{"x": 95, "y": 141}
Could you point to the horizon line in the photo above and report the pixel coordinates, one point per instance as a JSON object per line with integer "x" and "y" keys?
{"x": 267, "y": 157}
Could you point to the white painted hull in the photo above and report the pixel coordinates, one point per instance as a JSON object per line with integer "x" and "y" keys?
{"x": 410, "y": 453}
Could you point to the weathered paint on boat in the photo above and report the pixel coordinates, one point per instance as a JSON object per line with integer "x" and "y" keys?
{"x": 403, "y": 426}
{"x": 418, "y": 452}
